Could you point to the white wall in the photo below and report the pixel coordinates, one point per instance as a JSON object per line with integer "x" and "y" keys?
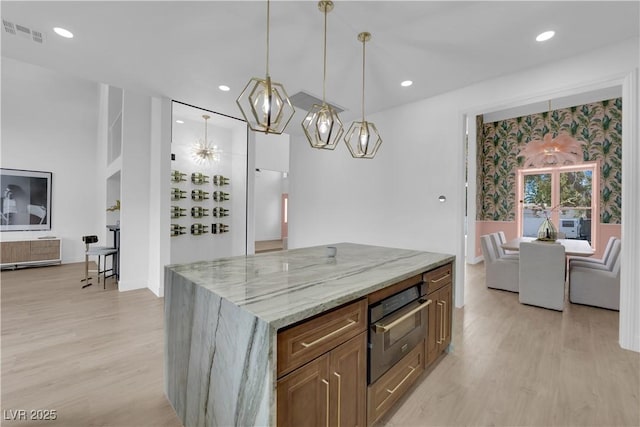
{"x": 49, "y": 123}
{"x": 268, "y": 195}
{"x": 272, "y": 158}
{"x": 232, "y": 143}
{"x": 272, "y": 151}
{"x": 160, "y": 170}
{"x": 392, "y": 200}
{"x": 135, "y": 183}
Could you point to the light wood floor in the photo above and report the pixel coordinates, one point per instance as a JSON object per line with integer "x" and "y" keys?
{"x": 268, "y": 246}
{"x": 518, "y": 365}
{"x": 96, "y": 358}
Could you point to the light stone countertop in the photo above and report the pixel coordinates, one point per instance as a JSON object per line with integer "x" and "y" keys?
{"x": 282, "y": 288}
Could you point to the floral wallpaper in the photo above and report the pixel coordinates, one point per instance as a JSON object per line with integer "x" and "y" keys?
{"x": 597, "y": 126}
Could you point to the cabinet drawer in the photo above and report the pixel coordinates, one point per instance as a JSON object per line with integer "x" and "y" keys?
{"x": 394, "y": 383}
{"x": 438, "y": 277}
{"x": 45, "y": 250}
{"x": 15, "y": 251}
{"x": 312, "y": 338}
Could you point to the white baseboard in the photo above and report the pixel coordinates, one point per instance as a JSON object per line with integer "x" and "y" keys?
{"x": 475, "y": 260}
{"x": 124, "y": 286}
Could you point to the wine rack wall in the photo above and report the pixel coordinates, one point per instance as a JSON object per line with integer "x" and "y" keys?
{"x": 195, "y": 201}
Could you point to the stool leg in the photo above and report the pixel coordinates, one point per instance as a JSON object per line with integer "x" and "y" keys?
{"x": 86, "y": 269}
{"x": 98, "y": 268}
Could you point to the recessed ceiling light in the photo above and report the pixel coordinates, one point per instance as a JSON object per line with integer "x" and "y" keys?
{"x": 180, "y": 121}
{"x": 224, "y": 88}
{"x": 406, "y": 83}
{"x": 545, "y": 36}
{"x": 62, "y": 32}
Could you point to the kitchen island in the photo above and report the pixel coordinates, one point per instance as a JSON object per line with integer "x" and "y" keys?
{"x": 222, "y": 319}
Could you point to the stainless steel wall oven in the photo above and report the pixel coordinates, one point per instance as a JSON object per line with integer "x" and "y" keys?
{"x": 396, "y": 325}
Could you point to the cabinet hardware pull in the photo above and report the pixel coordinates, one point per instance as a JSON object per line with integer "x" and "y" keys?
{"x": 339, "y": 392}
{"x": 380, "y": 328}
{"x": 329, "y": 335}
{"x": 441, "y": 279}
{"x": 440, "y": 339}
{"x": 403, "y": 380}
{"x": 444, "y": 321}
{"x": 327, "y": 404}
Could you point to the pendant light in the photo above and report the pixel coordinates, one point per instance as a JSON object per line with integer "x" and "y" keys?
{"x": 362, "y": 138}
{"x": 202, "y": 151}
{"x": 264, "y": 103}
{"x": 322, "y": 126}
{"x": 549, "y": 151}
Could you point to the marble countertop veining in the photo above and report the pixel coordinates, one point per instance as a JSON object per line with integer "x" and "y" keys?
{"x": 285, "y": 287}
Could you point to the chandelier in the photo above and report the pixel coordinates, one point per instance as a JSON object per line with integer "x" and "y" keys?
{"x": 548, "y": 152}
{"x": 202, "y": 150}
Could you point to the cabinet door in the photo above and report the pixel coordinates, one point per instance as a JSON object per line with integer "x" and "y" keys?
{"x": 349, "y": 383}
{"x": 433, "y": 337}
{"x": 303, "y": 395}
{"x": 446, "y": 297}
{"x": 15, "y": 251}
{"x": 42, "y": 250}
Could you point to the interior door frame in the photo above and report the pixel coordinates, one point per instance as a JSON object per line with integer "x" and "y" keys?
{"x": 629, "y": 329}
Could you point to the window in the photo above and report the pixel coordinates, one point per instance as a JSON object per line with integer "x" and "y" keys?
{"x": 568, "y": 195}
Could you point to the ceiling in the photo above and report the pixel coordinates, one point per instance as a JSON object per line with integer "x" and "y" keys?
{"x": 183, "y": 50}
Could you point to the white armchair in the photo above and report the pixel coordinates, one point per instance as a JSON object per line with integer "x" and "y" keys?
{"x": 542, "y": 274}
{"x": 603, "y": 260}
{"x": 497, "y": 239}
{"x": 596, "y": 284}
{"x": 500, "y": 272}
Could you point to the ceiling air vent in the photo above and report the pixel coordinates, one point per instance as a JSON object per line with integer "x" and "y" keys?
{"x": 9, "y": 27}
{"x": 305, "y": 101}
{"x": 22, "y": 31}
{"x": 37, "y": 36}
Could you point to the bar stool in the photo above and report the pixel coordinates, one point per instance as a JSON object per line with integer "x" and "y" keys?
{"x": 102, "y": 252}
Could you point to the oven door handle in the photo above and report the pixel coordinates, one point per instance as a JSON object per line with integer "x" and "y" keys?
{"x": 381, "y": 329}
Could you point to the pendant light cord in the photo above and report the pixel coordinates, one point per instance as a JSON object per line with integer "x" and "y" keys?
{"x": 324, "y": 71}
{"x": 549, "y": 119}
{"x": 363, "y": 56}
{"x": 268, "y": 10}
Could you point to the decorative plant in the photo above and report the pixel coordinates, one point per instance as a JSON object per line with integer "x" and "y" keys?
{"x": 115, "y": 207}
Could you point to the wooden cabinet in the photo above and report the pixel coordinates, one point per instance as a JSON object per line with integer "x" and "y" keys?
{"x": 304, "y": 395}
{"x": 328, "y": 389}
{"x": 348, "y": 381}
{"x": 14, "y": 252}
{"x": 322, "y": 362}
{"x": 26, "y": 252}
{"x": 306, "y": 341}
{"x": 394, "y": 383}
{"x": 439, "y": 287}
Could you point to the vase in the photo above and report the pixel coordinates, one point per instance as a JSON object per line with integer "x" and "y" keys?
{"x": 547, "y": 231}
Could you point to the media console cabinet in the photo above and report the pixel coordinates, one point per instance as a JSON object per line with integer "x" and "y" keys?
{"x": 19, "y": 253}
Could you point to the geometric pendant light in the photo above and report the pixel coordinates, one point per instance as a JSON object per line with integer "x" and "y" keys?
{"x": 322, "y": 126}
{"x": 264, "y": 103}
{"x": 362, "y": 138}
